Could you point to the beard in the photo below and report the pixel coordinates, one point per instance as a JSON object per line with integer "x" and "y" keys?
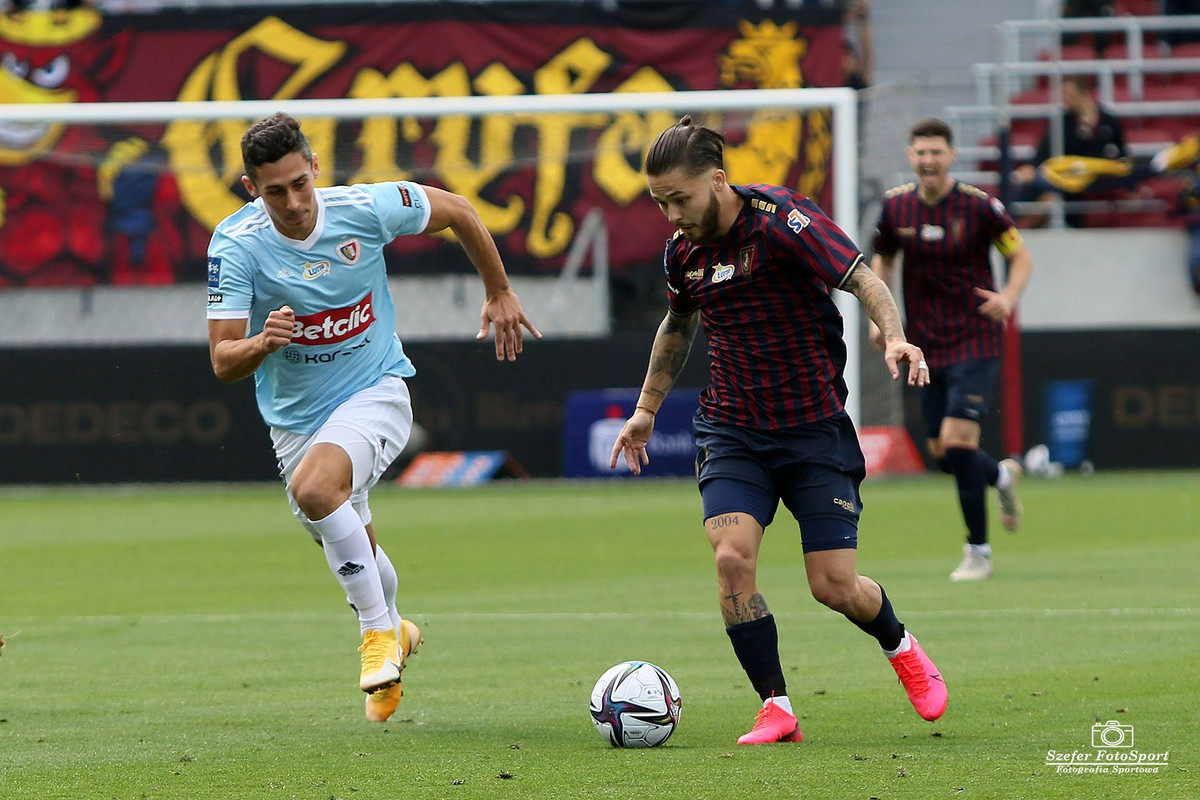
{"x": 706, "y": 229}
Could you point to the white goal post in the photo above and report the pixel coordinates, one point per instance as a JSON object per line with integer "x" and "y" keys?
{"x": 841, "y": 102}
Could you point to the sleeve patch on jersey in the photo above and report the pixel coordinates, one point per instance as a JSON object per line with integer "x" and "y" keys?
{"x": 998, "y": 207}
{"x": 405, "y": 197}
{"x": 797, "y": 221}
{"x": 215, "y": 297}
{"x": 214, "y": 272}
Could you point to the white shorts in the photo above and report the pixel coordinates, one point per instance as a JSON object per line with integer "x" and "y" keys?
{"x": 372, "y": 426}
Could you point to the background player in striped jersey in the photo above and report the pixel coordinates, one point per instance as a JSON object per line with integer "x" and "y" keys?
{"x": 298, "y": 298}
{"x": 755, "y": 265}
{"x": 945, "y": 230}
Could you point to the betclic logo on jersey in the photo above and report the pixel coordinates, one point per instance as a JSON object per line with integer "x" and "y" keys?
{"x": 335, "y": 325}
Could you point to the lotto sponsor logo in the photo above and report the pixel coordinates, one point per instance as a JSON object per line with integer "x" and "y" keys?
{"x": 336, "y": 325}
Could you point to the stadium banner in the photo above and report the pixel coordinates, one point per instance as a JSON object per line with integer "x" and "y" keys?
{"x": 593, "y": 419}
{"x": 122, "y": 204}
{"x": 102, "y": 415}
{"x": 1132, "y": 398}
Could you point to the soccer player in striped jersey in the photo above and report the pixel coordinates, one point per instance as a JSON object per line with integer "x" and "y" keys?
{"x": 298, "y": 297}
{"x": 945, "y": 230}
{"x": 755, "y": 265}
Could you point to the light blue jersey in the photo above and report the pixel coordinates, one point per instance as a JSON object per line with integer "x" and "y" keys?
{"x": 345, "y": 338}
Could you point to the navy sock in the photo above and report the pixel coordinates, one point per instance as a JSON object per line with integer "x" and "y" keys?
{"x": 886, "y": 629}
{"x": 756, "y": 644}
{"x": 991, "y": 467}
{"x": 970, "y": 474}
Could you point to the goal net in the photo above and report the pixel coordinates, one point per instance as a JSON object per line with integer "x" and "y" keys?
{"x": 129, "y": 192}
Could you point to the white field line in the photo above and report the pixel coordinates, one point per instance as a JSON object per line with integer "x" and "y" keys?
{"x": 550, "y": 616}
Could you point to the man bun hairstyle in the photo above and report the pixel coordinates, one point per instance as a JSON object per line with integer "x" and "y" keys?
{"x": 270, "y": 139}
{"x": 932, "y": 127}
{"x": 696, "y": 148}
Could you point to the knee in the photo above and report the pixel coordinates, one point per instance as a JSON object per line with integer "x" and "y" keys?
{"x": 733, "y": 562}
{"x": 316, "y": 495}
{"x": 836, "y": 594}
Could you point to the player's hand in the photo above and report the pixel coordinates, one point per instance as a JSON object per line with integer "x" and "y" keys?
{"x": 901, "y": 352}
{"x": 277, "y": 330}
{"x": 876, "y": 335}
{"x": 631, "y": 442}
{"x": 996, "y": 305}
{"x": 504, "y": 311}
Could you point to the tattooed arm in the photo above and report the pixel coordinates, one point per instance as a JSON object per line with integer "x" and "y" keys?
{"x": 668, "y": 354}
{"x": 880, "y": 306}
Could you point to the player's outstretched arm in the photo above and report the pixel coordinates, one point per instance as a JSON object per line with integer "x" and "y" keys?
{"x": 881, "y": 307}
{"x": 668, "y": 354}
{"x": 501, "y": 306}
{"x": 234, "y": 355}
{"x": 884, "y": 266}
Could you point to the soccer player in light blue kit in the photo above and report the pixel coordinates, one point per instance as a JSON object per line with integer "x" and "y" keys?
{"x": 298, "y": 298}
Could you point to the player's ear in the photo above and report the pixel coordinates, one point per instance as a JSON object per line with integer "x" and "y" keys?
{"x": 249, "y": 185}
{"x": 719, "y": 179}
{"x": 316, "y": 166}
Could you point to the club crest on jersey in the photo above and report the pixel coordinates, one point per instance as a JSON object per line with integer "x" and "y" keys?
{"x": 746, "y": 261}
{"x": 797, "y": 221}
{"x": 932, "y": 233}
{"x": 349, "y": 251}
{"x": 722, "y": 272}
{"x": 311, "y": 270}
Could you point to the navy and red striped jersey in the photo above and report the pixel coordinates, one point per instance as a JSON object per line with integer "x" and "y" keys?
{"x": 774, "y": 335}
{"x": 946, "y": 255}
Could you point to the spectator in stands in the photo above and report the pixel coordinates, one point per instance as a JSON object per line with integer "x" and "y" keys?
{"x": 1183, "y": 158}
{"x": 1088, "y": 130}
{"x": 858, "y": 47}
{"x": 1177, "y": 8}
{"x": 944, "y": 231}
{"x": 298, "y": 298}
{"x": 1087, "y": 9}
{"x": 756, "y": 266}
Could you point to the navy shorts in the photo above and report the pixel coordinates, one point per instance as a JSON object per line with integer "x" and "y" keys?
{"x": 814, "y": 469}
{"x": 961, "y": 391}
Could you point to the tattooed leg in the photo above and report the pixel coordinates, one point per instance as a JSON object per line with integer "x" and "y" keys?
{"x": 735, "y": 539}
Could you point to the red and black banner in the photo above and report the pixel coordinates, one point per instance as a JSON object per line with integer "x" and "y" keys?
{"x": 135, "y": 204}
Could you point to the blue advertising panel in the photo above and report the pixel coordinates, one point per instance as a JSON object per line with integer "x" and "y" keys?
{"x": 594, "y": 419}
{"x": 1068, "y": 421}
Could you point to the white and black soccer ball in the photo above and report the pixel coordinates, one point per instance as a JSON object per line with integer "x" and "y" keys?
{"x": 635, "y": 704}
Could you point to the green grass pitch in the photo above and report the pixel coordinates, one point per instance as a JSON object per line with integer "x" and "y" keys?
{"x": 190, "y": 643}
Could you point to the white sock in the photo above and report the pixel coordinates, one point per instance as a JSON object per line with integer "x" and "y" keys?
{"x": 348, "y": 552}
{"x": 390, "y": 582}
{"x": 981, "y": 550}
{"x": 904, "y": 647}
{"x": 782, "y": 701}
{"x": 1003, "y": 478}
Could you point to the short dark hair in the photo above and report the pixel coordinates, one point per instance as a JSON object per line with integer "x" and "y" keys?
{"x": 693, "y": 147}
{"x": 1083, "y": 83}
{"x": 270, "y": 139}
{"x": 932, "y": 127}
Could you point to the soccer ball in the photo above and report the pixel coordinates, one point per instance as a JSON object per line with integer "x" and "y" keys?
{"x": 635, "y": 704}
